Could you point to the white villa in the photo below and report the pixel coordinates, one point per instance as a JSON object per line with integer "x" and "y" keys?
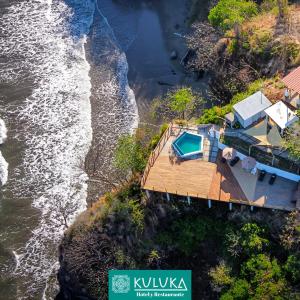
{"x": 251, "y": 109}
{"x": 281, "y": 116}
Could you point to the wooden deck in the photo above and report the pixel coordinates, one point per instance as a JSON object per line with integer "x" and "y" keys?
{"x": 194, "y": 178}
{"x": 186, "y": 178}
{"x": 224, "y": 186}
{"x": 214, "y": 181}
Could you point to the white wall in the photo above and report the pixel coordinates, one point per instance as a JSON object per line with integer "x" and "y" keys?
{"x": 269, "y": 169}
{"x": 251, "y": 120}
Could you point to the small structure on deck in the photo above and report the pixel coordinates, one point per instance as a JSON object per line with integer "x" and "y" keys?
{"x": 249, "y": 164}
{"x": 229, "y": 153}
{"x": 280, "y": 115}
{"x": 230, "y": 119}
{"x": 292, "y": 83}
{"x": 251, "y": 109}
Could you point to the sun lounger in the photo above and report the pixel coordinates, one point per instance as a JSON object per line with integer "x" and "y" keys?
{"x": 234, "y": 161}
{"x": 262, "y": 175}
{"x": 272, "y": 179}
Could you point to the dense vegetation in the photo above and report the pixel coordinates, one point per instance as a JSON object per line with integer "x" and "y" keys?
{"x": 237, "y": 255}
{"x": 243, "y": 46}
{"x": 233, "y": 254}
{"x": 227, "y": 13}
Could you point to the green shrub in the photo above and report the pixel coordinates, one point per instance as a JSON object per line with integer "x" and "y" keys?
{"x": 154, "y": 141}
{"x": 130, "y": 210}
{"x": 181, "y": 100}
{"x": 269, "y": 5}
{"x": 292, "y": 268}
{"x": 124, "y": 260}
{"x": 155, "y": 138}
{"x": 261, "y": 44}
{"x": 252, "y": 240}
{"x": 215, "y": 115}
{"x": 221, "y": 275}
{"x": 129, "y": 154}
{"x": 186, "y": 233}
{"x": 251, "y": 89}
{"x": 238, "y": 291}
{"x": 261, "y": 267}
{"x": 228, "y": 12}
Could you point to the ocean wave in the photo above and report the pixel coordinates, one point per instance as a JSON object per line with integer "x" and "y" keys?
{"x": 3, "y": 132}
{"x": 3, "y": 170}
{"x": 55, "y": 123}
{"x": 115, "y": 109}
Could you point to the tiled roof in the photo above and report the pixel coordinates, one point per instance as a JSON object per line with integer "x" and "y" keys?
{"x": 292, "y": 80}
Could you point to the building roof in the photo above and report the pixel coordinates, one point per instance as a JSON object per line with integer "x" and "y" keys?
{"x": 281, "y": 115}
{"x": 252, "y": 105}
{"x": 292, "y": 80}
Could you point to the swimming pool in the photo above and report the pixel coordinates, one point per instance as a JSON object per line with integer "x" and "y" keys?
{"x": 188, "y": 144}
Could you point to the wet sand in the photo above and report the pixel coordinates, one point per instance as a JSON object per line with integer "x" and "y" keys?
{"x": 152, "y": 72}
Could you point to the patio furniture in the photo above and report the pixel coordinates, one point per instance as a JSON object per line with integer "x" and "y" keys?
{"x": 262, "y": 175}
{"x": 234, "y": 161}
{"x": 254, "y": 171}
{"x": 272, "y": 179}
{"x": 229, "y": 153}
{"x": 248, "y": 163}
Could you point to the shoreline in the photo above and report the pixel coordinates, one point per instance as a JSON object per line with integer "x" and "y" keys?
{"x": 155, "y": 73}
{"x": 149, "y": 63}
{"x": 113, "y": 105}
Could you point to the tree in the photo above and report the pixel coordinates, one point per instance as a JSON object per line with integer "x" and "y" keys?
{"x": 292, "y": 142}
{"x": 239, "y": 290}
{"x": 290, "y": 235}
{"x": 252, "y": 241}
{"x": 292, "y": 268}
{"x": 229, "y": 12}
{"x": 249, "y": 240}
{"x": 180, "y": 103}
{"x": 220, "y": 276}
{"x": 129, "y": 155}
{"x": 265, "y": 276}
{"x": 261, "y": 268}
{"x": 181, "y": 100}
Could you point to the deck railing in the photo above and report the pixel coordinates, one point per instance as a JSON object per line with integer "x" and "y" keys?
{"x": 155, "y": 153}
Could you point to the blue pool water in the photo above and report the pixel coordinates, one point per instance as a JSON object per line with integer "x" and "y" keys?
{"x": 188, "y": 143}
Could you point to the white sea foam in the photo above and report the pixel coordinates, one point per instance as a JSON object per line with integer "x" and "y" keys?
{"x": 17, "y": 259}
{"x": 3, "y": 170}
{"x": 56, "y": 123}
{"x": 3, "y": 132}
{"x": 55, "y": 120}
{"x": 128, "y": 92}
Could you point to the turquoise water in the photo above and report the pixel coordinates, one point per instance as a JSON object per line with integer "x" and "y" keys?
{"x": 188, "y": 143}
